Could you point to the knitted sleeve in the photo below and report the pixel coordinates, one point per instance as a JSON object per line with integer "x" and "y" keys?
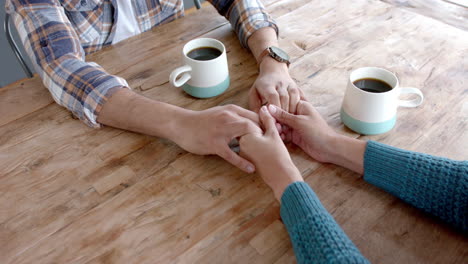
{"x": 315, "y": 235}
{"x": 436, "y": 185}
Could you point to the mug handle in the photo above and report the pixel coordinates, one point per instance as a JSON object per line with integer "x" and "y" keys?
{"x": 183, "y": 79}
{"x": 411, "y": 103}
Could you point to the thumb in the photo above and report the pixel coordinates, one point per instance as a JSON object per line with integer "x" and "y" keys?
{"x": 268, "y": 121}
{"x": 236, "y": 160}
{"x": 305, "y": 108}
{"x": 254, "y": 100}
{"x": 282, "y": 116}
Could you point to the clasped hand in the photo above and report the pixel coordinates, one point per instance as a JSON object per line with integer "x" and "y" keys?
{"x": 274, "y": 86}
{"x": 269, "y": 154}
{"x": 210, "y": 131}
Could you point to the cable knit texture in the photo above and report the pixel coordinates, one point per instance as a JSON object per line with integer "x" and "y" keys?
{"x": 315, "y": 235}
{"x": 436, "y": 185}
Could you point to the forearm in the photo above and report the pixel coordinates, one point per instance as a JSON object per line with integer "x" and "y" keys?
{"x": 347, "y": 152}
{"x": 411, "y": 176}
{"x": 261, "y": 40}
{"x": 436, "y": 185}
{"x": 315, "y": 235}
{"x": 55, "y": 51}
{"x": 131, "y": 111}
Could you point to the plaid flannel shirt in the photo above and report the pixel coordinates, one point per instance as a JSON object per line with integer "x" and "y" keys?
{"x": 58, "y": 34}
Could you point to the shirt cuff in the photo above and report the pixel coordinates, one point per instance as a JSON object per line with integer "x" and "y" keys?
{"x": 98, "y": 96}
{"x": 386, "y": 167}
{"x": 254, "y": 26}
{"x": 248, "y": 16}
{"x": 297, "y": 202}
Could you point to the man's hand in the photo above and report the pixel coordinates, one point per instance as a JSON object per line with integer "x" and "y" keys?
{"x": 274, "y": 86}
{"x": 200, "y": 132}
{"x": 210, "y": 131}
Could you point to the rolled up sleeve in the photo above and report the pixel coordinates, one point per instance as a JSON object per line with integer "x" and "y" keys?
{"x": 245, "y": 16}
{"x": 58, "y": 57}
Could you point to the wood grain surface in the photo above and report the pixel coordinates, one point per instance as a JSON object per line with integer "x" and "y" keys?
{"x": 72, "y": 194}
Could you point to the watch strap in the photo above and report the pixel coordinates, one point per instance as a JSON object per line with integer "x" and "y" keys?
{"x": 264, "y": 53}
{"x": 268, "y": 52}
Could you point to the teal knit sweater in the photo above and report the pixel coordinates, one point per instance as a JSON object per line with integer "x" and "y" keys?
{"x": 436, "y": 185}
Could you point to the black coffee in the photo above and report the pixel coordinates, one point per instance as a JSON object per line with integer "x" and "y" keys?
{"x": 372, "y": 85}
{"x": 204, "y": 53}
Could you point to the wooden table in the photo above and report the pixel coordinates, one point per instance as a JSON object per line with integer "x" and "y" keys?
{"x": 72, "y": 194}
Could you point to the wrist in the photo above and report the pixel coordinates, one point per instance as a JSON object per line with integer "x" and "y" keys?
{"x": 269, "y": 64}
{"x": 285, "y": 176}
{"x": 332, "y": 152}
{"x": 180, "y": 117}
{"x": 347, "y": 152}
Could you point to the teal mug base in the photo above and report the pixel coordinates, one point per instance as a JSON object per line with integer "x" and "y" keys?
{"x": 366, "y": 128}
{"x": 207, "y": 92}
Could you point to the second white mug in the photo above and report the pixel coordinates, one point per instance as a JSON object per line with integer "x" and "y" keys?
{"x": 371, "y": 113}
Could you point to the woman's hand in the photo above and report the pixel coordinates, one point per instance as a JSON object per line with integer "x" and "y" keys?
{"x": 307, "y": 129}
{"x": 312, "y": 134}
{"x": 270, "y": 156}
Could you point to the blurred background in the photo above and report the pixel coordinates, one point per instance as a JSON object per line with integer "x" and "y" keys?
{"x": 10, "y": 69}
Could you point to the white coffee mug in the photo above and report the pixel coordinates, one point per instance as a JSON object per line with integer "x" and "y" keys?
{"x": 371, "y": 113}
{"x": 202, "y": 78}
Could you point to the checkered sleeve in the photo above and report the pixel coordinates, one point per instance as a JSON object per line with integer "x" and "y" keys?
{"x": 246, "y": 16}
{"x": 58, "y": 57}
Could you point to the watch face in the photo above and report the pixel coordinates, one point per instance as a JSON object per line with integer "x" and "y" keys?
{"x": 280, "y": 53}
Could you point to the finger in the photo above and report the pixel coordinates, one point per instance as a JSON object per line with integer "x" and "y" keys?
{"x": 272, "y": 97}
{"x": 243, "y": 127}
{"x": 268, "y": 121}
{"x": 284, "y": 98}
{"x": 255, "y": 101}
{"x": 253, "y": 116}
{"x": 294, "y": 98}
{"x": 279, "y": 127}
{"x": 287, "y": 133}
{"x": 302, "y": 94}
{"x": 305, "y": 108}
{"x": 236, "y": 160}
{"x": 282, "y": 116}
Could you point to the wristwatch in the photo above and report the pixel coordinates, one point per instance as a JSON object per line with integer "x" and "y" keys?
{"x": 276, "y": 53}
